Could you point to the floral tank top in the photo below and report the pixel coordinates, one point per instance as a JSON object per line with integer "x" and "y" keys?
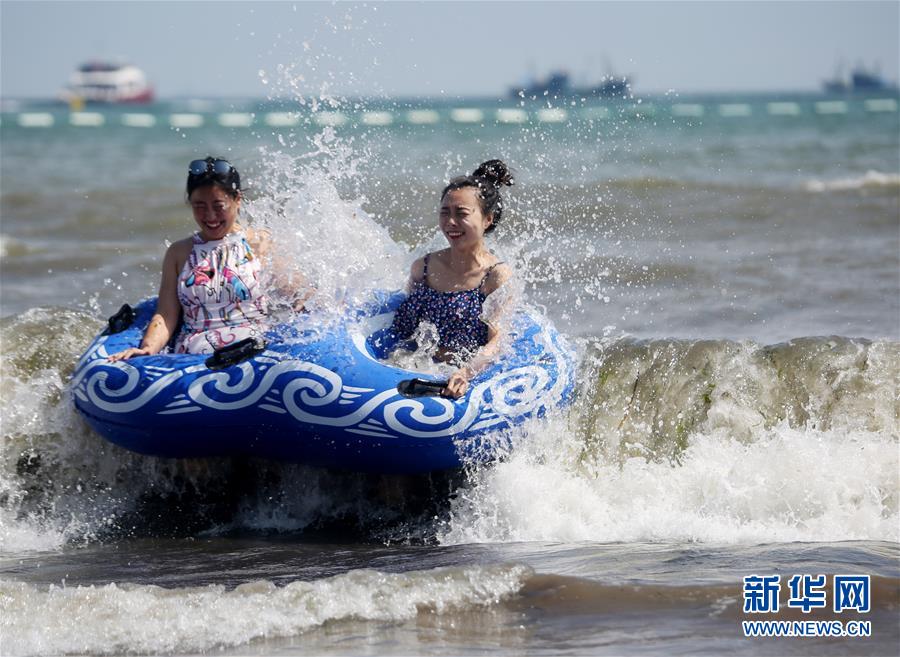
{"x": 220, "y": 294}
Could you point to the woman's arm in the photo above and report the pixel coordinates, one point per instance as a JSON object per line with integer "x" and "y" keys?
{"x": 168, "y": 309}
{"x": 458, "y": 382}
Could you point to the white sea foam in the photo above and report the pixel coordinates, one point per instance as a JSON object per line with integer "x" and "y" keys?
{"x": 871, "y": 179}
{"x": 10, "y": 246}
{"x": 26, "y": 415}
{"x": 709, "y": 441}
{"x": 18, "y": 536}
{"x": 118, "y": 618}
{"x": 786, "y": 485}
{"x": 59, "y": 481}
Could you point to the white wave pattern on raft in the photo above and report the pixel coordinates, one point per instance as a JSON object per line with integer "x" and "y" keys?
{"x": 871, "y": 179}
{"x": 518, "y": 391}
{"x": 135, "y": 618}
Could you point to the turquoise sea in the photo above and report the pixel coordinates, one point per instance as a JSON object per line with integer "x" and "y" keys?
{"x": 727, "y": 266}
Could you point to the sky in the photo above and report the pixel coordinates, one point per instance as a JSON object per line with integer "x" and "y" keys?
{"x": 276, "y": 49}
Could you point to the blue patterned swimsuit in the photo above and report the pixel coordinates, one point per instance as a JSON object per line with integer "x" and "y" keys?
{"x": 457, "y": 315}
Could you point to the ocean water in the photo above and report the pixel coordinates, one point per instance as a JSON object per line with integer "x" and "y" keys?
{"x": 727, "y": 267}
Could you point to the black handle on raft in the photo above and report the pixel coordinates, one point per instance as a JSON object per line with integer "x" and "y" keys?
{"x": 121, "y": 320}
{"x": 235, "y": 353}
{"x": 421, "y": 388}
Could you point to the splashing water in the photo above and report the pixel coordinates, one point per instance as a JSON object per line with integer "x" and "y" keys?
{"x": 706, "y": 441}
{"x": 697, "y": 440}
{"x": 330, "y": 241}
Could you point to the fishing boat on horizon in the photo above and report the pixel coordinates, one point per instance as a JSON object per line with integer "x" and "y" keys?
{"x": 861, "y": 79}
{"x": 557, "y": 85}
{"x": 106, "y": 82}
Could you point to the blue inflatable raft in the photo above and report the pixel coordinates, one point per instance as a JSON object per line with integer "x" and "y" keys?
{"x": 323, "y": 397}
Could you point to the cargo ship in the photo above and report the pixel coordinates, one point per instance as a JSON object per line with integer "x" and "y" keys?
{"x": 861, "y": 79}
{"x": 557, "y": 85}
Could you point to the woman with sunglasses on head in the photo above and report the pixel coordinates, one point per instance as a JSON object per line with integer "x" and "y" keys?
{"x": 449, "y": 288}
{"x": 210, "y": 280}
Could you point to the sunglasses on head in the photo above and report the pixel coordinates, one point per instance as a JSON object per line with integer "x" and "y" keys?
{"x": 221, "y": 168}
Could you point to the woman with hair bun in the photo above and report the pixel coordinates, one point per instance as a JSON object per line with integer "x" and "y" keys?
{"x": 448, "y": 288}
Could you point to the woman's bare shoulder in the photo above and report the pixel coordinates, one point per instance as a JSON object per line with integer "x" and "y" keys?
{"x": 176, "y": 255}
{"x": 260, "y": 240}
{"x": 417, "y": 270}
{"x": 180, "y": 249}
{"x": 499, "y": 274}
{"x": 183, "y": 244}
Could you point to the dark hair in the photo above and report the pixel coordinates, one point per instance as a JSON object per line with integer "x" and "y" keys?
{"x": 488, "y": 178}
{"x": 229, "y": 182}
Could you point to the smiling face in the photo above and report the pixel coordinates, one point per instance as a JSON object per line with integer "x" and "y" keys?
{"x": 215, "y": 211}
{"x": 461, "y": 218}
